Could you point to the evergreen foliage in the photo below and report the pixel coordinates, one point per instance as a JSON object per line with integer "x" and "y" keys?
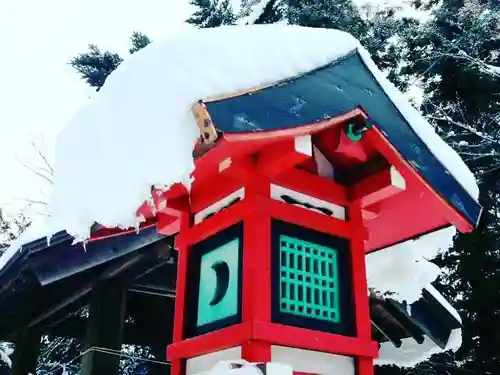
{"x": 272, "y": 13}
{"x": 211, "y": 13}
{"x": 11, "y": 228}
{"x": 139, "y": 41}
{"x": 454, "y": 56}
{"x": 95, "y": 66}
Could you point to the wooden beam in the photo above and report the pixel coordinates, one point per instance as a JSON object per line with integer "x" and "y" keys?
{"x": 378, "y": 140}
{"x": 25, "y": 356}
{"x": 313, "y": 185}
{"x": 377, "y": 187}
{"x": 133, "y": 333}
{"x": 160, "y": 353}
{"x": 152, "y": 317}
{"x": 105, "y": 328}
{"x": 62, "y": 295}
{"x": 284, "y": 155}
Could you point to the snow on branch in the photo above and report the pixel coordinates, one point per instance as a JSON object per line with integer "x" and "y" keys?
{"x": 472, "y": 141}
{"x": 251, "y": 12}
{"x": 37, "y": 163}
{"x": 45, "y": 171}
{"x": 475, "y": 62}
{"x": 5, "y": 358}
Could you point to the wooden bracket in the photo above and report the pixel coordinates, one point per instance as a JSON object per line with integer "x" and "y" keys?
{"x": 284, "y": 155}
{"x": 204, "y": 122}
{"x": 376, "y": 188}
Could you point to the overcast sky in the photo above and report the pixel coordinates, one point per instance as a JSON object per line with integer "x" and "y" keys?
{"x": 39, "y": 92}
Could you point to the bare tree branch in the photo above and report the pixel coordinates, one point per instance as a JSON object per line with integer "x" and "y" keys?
{"x": 474, "y": 62}
{"x": 43, "y": 157}
{"x": 34, "y": 171}
{"x": 34, "y": 202}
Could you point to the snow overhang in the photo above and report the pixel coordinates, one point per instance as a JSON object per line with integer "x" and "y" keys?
{"x": 59, "y": 258}
{"x": 411, "y": 333}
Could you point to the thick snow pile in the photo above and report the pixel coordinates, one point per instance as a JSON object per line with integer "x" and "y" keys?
{"x": 138, "y": 130}
{"x": 41, "y": 228}
{"x": 403, "y": 270}
{"x": 411, "y": 353}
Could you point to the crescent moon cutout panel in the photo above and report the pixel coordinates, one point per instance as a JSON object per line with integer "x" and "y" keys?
{"x": 214, "y": 287}
{"x": 222, "y": 276}
{"x": 218, "y": 296}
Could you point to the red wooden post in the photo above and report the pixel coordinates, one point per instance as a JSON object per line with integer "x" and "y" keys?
{"x": 363, "y": 324}
{"x": 182, "y": 274}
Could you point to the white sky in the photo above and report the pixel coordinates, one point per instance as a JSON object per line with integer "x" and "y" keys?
{"x": 39, "y": 91}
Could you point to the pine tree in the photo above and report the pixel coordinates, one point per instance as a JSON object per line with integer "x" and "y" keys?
{"x": 95, "y": 66}
{"x": 211, "y": 13}
{"x": 272, "y": 11}
{"x": 331, "y": 14}
{"x": 454, "y": 57}
{"x": 139, "y": 41}
{"x": 376, "y": 28}
{"x": 474, "y": 263}
{"x": 59, "y": 355}
{"x": 11, "y": 228}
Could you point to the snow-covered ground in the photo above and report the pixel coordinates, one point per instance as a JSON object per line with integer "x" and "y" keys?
{"x": 138, "y": 132}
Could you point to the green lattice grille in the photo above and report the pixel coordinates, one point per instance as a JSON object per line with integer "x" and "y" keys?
{"x": 309, "y": 280}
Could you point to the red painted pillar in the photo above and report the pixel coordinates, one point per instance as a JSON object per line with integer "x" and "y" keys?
{"x": 256, "y": 268}
{"x": 177, "y": 367}
{"x": 362, "y": 302}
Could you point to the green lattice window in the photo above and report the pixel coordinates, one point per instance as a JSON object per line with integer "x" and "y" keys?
{"x": 309, "y": 285}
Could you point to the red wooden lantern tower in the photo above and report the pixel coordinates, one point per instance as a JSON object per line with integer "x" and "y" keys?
{"x": 273, "y": 233}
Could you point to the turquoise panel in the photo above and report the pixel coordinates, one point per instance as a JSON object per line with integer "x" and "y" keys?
{"x": 218, "y": 292}
{"x": 309, "y": 280}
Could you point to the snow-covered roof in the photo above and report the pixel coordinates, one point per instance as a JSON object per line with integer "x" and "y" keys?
{"x": 138, "y": 130}
{"x": 410, "y": 353}
{"x": 402, "y": 271}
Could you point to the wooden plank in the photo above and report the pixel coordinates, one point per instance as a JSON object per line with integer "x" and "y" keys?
{"x": 25, "y": 356}
{"x": 105, "y": 328}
